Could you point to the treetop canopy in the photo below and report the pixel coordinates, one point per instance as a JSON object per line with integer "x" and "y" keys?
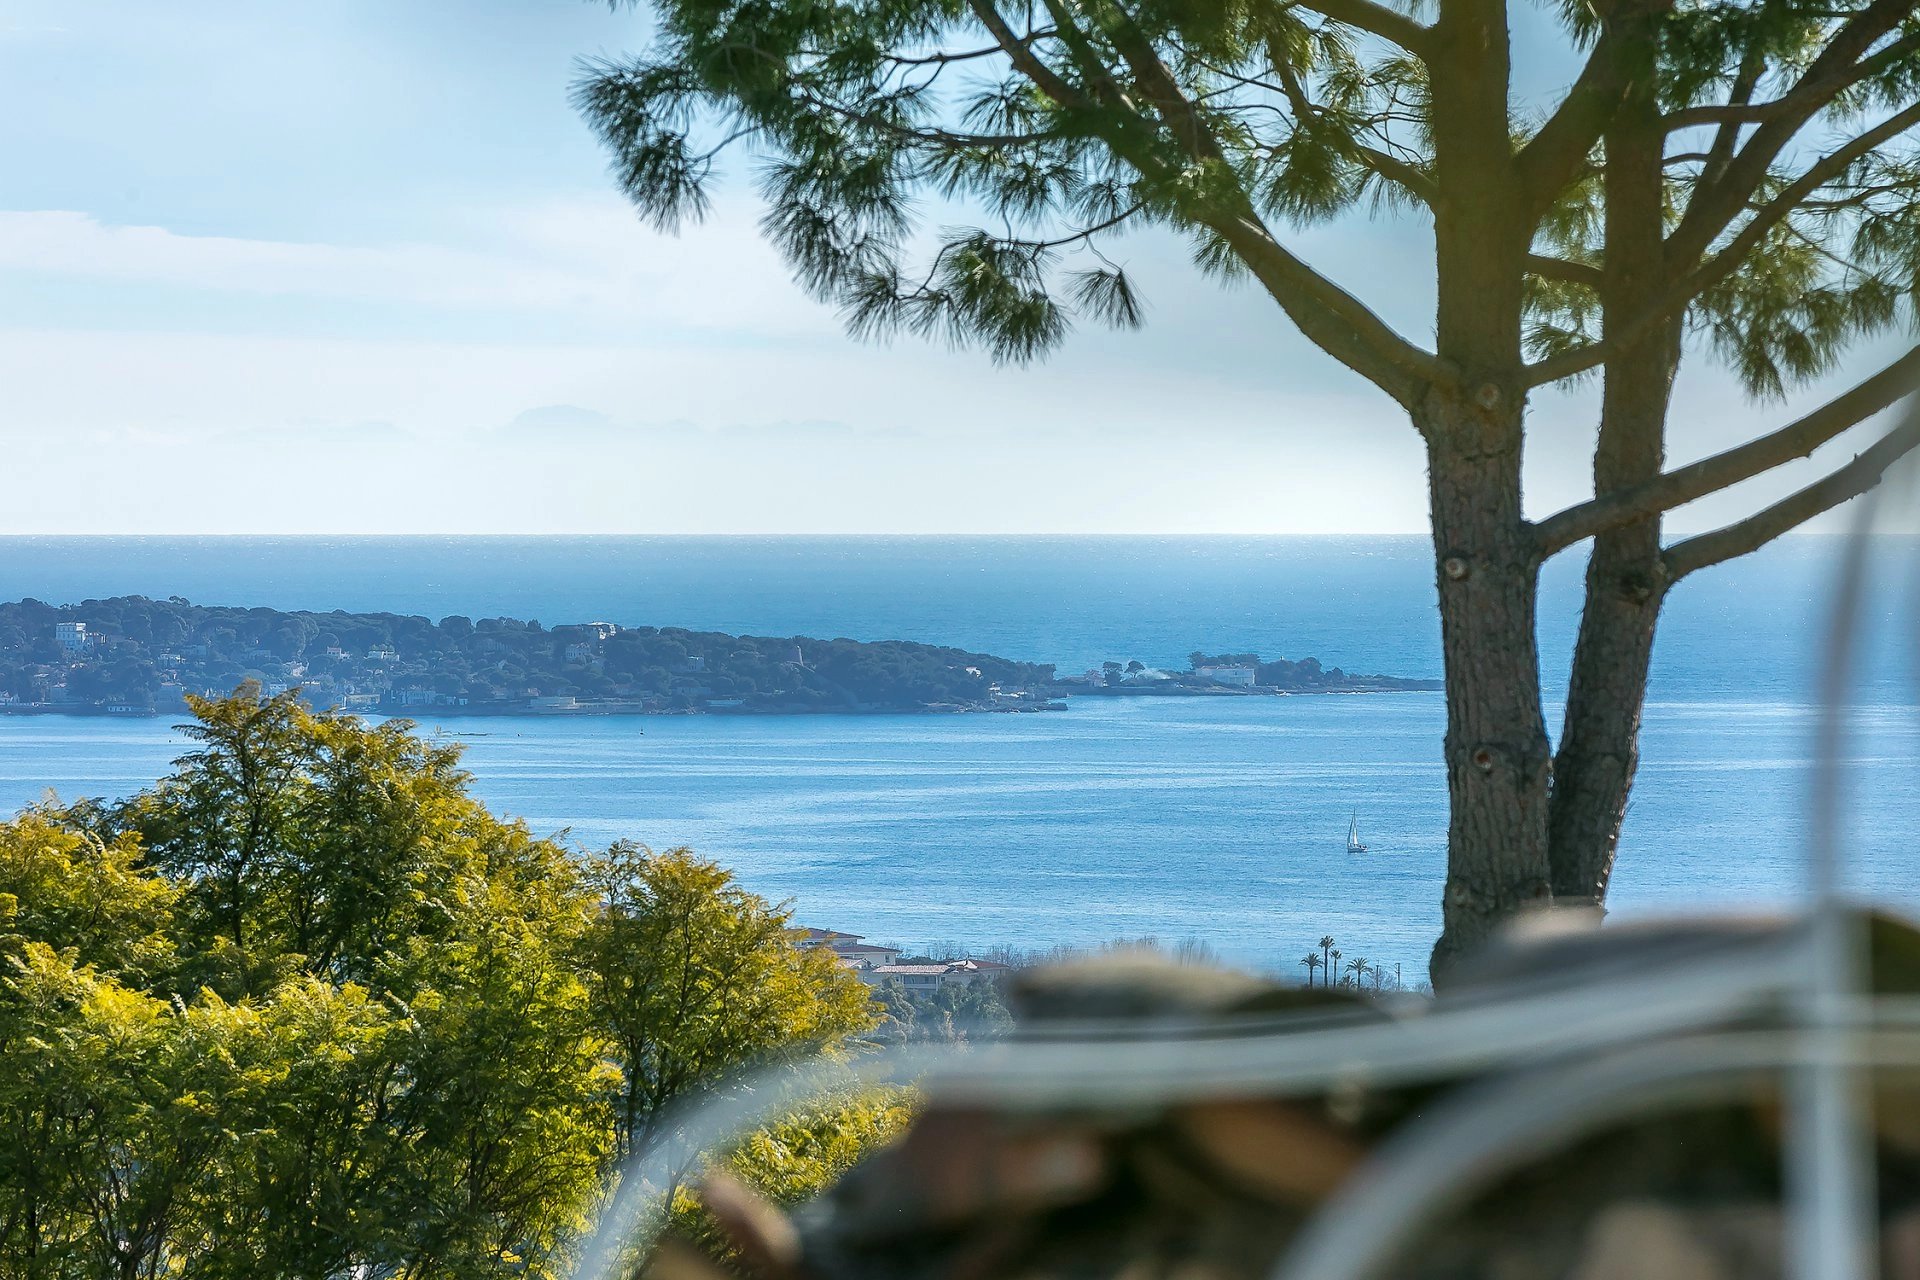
{"x": 1790, "y": 169}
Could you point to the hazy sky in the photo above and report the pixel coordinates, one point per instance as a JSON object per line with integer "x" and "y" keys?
{"x": 352, "y": 265}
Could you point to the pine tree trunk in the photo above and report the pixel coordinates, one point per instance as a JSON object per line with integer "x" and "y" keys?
{"x": 1600, "y": 739}
{"x": 1488, "y": 559}
{"x": 1496, "y": 744}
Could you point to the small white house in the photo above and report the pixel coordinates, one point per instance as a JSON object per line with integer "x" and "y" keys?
{"x": 926, "y": 978}
{"x": 850, "y": 949}
{"x": 1239, "y": 676}
{"x": 864, "y": 955}
{"x": 806, "y": 939}
{"x": 72, "y": 637}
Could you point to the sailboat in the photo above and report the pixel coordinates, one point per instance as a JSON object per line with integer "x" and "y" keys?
{"x": 1353, "y": 836}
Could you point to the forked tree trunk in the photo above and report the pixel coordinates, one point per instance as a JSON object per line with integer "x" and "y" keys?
{"x": 1600, "y": 738}
{"x": 1496, "y": 744}
{"x": 1593, "y": 770}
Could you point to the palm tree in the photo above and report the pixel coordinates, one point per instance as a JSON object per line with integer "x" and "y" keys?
{"x": 1326, "y": 955}
{"x": 1358, "y": 968}
{"x": 1312, "y": 961}
{"x": 1333, "y": 964}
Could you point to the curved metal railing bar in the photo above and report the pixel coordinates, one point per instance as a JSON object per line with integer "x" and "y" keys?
{"x": 1277, "y": 1056}
{"x": 1439, "y": 1163}
{"x": 1829, "y": 1171}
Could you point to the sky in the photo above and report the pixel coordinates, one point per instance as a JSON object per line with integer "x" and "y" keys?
{"x": 356, "y": 266}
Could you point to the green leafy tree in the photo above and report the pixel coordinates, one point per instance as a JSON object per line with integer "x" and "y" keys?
{"x": 952, "y": 1013}
{"x": 694, "y": 977}
{"x": 385, "y": 820}
{"x": 899, "y": 1012}
{"x": 974, "y": 1010}
{"x": 74, "y": 891}
{"x": 1743, "y": 172}
{"x": 507, "y": 1107}
{"x": 308, "y": 1010}
{"x": 306, "y": 1179}
{"x": 797, "y": 1157}
{"x": 306, "y": 840}
{"x": 222, "y": 826}
{"x": 88, "y": 1176}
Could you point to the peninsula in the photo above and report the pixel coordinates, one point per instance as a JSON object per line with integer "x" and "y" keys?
{"x": 131, "y": 655}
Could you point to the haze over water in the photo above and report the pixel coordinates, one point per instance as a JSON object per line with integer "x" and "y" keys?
{"x": 1215, "y": 819}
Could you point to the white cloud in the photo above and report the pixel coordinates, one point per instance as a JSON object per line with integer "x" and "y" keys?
{"x": 586, "y": 259}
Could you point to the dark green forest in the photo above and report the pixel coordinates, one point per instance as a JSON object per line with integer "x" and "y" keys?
{"x": 140, "y": 653}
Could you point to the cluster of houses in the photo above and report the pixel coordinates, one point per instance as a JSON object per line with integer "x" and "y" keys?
{"x": 876, "y": 964}
{"x": 48, "y": 688}
{"x": 1137, "y": 674}
{"x": 378, "y": 681}
{"x": 44, "y": 685}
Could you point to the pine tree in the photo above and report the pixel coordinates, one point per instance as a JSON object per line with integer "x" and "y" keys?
{"x": 1742, "y": 172}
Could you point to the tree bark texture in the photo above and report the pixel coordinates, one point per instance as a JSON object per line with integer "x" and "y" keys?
{"x": 1599, "y": 751}
{"x": 1486, "y": 556}
{"x": 1496, "y": 744}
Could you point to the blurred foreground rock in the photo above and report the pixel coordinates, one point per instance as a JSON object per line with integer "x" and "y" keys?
{"x": 1216, "y": 1190}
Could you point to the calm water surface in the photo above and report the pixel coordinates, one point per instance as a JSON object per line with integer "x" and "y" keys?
{"x": 1221, "y": 820}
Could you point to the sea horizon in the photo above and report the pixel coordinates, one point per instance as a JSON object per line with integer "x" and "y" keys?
{"x": 1215, "y": 819}
{"x": 1364, "y": 602}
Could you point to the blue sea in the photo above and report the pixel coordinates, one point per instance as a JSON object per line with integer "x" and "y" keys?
{"x": 1216, "y": 820}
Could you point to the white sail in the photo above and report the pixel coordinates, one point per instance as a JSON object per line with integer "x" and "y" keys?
{"x": 1353, "y": 835}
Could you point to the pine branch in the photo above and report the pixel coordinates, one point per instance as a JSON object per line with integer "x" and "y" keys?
{"x": 1163, "y": 93}
{"x": 1376, "y": 19}
{"x": 1726, "y": 139}
{"x": 1696, "y": 480}
{"x": 1716, "y": 204}
{"x": 1568, "y": 272}
{"x": 1091, "y": 65}
{"x": 1332, "y": 318}
{"x": 1411, "y": 178}
{"x": 1817, "y": 175}
{"x": 1740, "y": 112}
{"x": 1024, "y": 59}
{"x": 1555, "y": 155}
{"x": 1783, "y": 517}
{"x": 1326, "y": 314}
{"x": 1729, "y": 259}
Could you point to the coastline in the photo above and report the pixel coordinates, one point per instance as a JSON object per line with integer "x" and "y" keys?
{"x": 131, "y": 656}
{"x": 1060, "y": 701}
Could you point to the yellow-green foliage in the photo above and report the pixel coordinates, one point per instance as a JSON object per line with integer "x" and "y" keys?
{"x": 795, "y": 1159}
{"x": 73, "y": 890}
{"x": 307, "y": 1009}
{"x": 694, "y": 976}
{"x": 801, "y": 1155}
